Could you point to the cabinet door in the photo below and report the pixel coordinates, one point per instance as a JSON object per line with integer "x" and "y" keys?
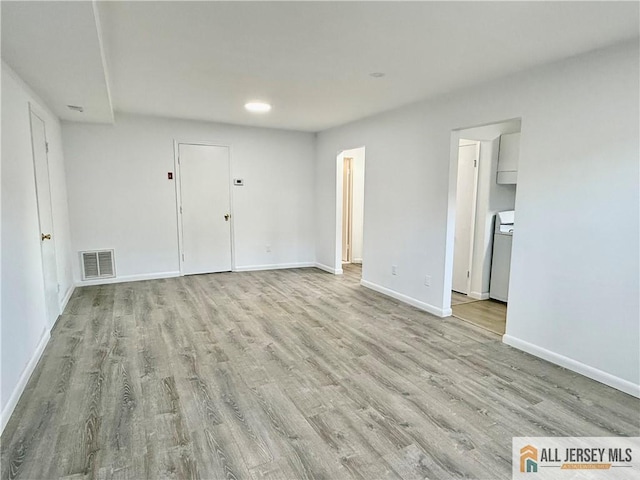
{"x": 508, "y": 158}
{"x": 509, "y": 152}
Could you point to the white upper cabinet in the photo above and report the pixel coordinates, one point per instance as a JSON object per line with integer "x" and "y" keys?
{"x": 508, "y": 158}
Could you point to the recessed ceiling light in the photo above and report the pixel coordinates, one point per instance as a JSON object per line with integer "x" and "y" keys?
{"x": 257, "y": 107}
{"x": 76, "y": 108}
{"x": 377, "y": 74}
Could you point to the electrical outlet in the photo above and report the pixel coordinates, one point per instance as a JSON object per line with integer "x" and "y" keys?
{"x": 268, "y": 248}
{"x": 394, "y": 269}
{"x": 427, "y": 280}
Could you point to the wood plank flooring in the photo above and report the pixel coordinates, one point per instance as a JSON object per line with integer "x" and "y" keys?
{"x": 460, "y": 298}
{"x": 294, "y": 374}
{"x": 488, "y": 314}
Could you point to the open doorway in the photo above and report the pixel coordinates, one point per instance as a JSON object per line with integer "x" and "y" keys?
{"x": 484, "y": 189}
{"x": 350, "y": 198}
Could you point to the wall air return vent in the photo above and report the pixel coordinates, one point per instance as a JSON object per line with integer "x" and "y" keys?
{"x": 97, "y": 264}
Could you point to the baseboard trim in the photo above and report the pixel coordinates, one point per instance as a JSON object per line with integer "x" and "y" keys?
{"x": 275, "y": 266}
{"x": 479, "y": 296}
{"x": 439, "y": 312}
{"x": 66, "y": 298}
{"x": 24, "y": 379}
{"x": 128, "y": 278}
{"x": 327, "y": 268}
{"x": 571, "y": 364}
{"x": 357, "y": 260}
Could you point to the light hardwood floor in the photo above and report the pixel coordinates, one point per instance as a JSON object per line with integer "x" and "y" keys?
{"x": 285, "y": 374}
{"x": 460, "y": 298}
{"x": 488, "y": 314}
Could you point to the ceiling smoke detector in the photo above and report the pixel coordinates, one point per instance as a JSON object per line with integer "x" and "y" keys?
{"x": 377, "y": 74}
{"x": 75, "y": 108}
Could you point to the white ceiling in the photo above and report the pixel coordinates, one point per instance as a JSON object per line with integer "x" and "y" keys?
{"x": 310, "y": 60}
{"x": 55, "y": 48}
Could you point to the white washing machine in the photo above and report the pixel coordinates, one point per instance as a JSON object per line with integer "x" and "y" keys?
{"x": 501, "y": 259}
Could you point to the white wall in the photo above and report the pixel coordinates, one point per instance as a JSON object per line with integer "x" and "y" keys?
{"x": 24, "y": 329}
{"x": 120, "y": 197}
{"x": 574, "y": 285}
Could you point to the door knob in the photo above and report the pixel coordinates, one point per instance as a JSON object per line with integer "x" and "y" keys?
{"x": 46, "y": 237}
{"x": 226, "y": 217}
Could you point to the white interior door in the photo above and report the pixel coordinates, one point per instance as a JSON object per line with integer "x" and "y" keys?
{"x": 205, "y": 206}
{"x": 465, "y": 216}
{"x": 45, "y": 217}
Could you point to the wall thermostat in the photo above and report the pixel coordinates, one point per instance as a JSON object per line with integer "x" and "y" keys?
{"x": 238, "y": 182}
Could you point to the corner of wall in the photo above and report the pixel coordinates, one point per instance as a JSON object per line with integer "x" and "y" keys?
{"x": 432, "y": 309}
{"x": 571, "y": 364}
{"x": 10, "y": 406}
{"x": 24, "y": 313}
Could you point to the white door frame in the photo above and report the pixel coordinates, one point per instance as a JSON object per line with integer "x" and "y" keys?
{"x": 451, "y": 211}
{"x": 178, "y": 193}
{"x": 35, "y": 111}
{"x": 337, "y": 262}
{"x": 349, "y": 211}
